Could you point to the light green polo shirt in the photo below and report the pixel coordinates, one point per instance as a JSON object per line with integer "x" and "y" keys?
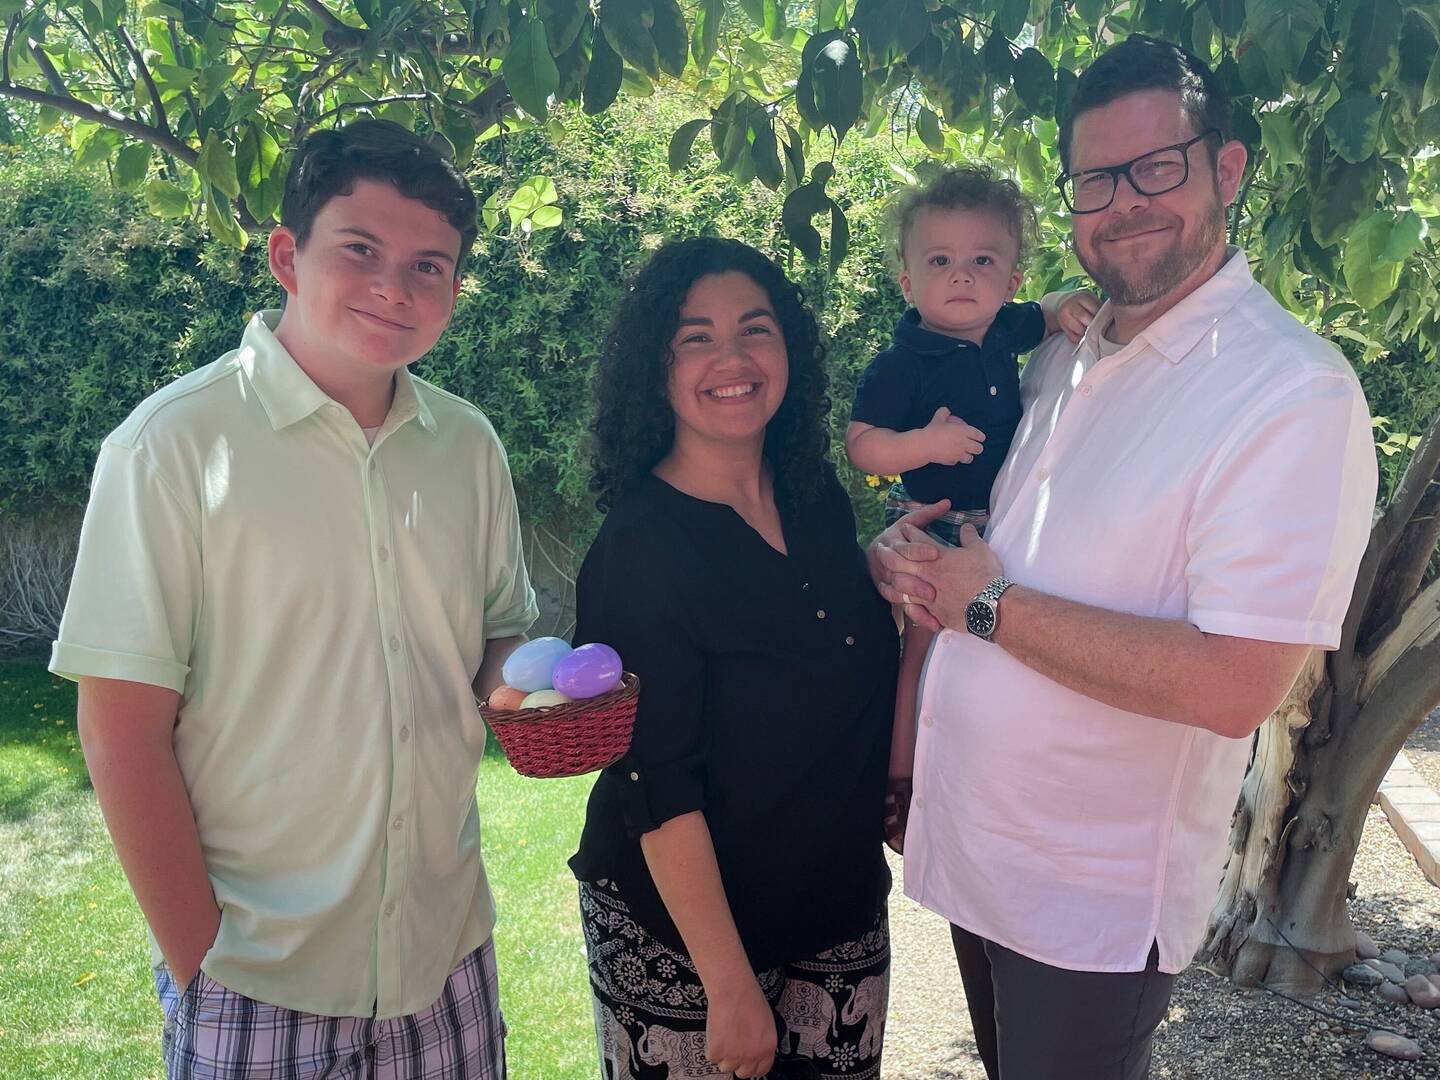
{"x": 322, "y": 607}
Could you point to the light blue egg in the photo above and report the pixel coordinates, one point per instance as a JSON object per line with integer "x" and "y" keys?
{"x": 528, "y": 668}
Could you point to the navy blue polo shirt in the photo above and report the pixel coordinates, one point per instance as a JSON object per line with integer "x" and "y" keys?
{"x": 923, "y": 370}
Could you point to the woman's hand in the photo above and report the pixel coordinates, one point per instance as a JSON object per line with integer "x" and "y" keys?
{"x": 740, "y": 1035}
{"x": 893, "y": 560}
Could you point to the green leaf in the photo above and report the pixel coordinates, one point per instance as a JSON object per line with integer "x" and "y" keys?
{"x": 149, "y": 11}
{"x": 705, "y": 37}
{"x": 1229, "y": 15}
{"x": 1259, "y": 74}
{"x": 1090, "y": 11}
{"x": 530, "y": 71}
{"x": 672, "y": 43}
{"x": 1285, "y": 26}
{"x": 1371, "y": 50}
{"x": 100, "y": 146}
{"x": 927, "y": 126}
{"x": 132, "y": 165}
{"x": 1009, "y": 17}
{"x": 999, "y": 60}
{"x": 626, "y": 24}
{"x": 829, "y": 14}
{"x": 221, "y": 219}
{"x": 799, "y": 207}
{"x": 1430, "y": 94}
{"x": 1065, "y": 83}
{"x": 1418, "y": 51}
{"x": 563, "y": 21}
{"x": 682, "y": 141}
{"x": 765, "y": 153}
{"x": 839, "y": 237}
{"x": 602, "y": 80}
{"x": 1035, "y": 82}
{"x": 217, "y": 166}
{"x": 1352, "y": 125}
{"x": 1281, "y": 142}
{"x": 839, "y": 85}
{"x": 1031, "y": 160}
{"x": 547, "y": 217}
{"x": 257, "y": 163}
{"x": 212, "y": 80}
{"x": 1405, "y": 237}
{"x": 1369, "y": 276}
{"x": 1344, "y": 196}
{"x": 166, "y": 200}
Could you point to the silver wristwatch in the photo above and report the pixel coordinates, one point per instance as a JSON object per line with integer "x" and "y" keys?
{"x": 983, "y": 613}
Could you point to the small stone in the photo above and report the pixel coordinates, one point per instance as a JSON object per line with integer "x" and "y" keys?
{"x": 1420, "y": 965}
{"x": 1398, "y": 957}
{"x": 1350, "y": 1003}
{"x": 1397, "y": 995}
{"x": 1362, "y": 975}
{"x": 1395, "y": 1046}
{"x": 1365, "y": 947}
{"x": 1387, "y": 969}
{"x": 1422, "y": 992}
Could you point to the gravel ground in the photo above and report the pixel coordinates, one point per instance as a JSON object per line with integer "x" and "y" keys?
{"x": 1423, "y": 749}
{"x": 1213, "y": 1030}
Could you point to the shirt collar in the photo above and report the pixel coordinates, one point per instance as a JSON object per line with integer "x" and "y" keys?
{"x": 909, "y": 334}
{"x": 288, "y": 395}
{"x": 1175, "y": 334}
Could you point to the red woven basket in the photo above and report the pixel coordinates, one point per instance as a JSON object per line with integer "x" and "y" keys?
{"x": 570, "y": 739}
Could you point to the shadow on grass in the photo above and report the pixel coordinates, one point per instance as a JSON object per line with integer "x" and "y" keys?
{"x": 39, "y": 750}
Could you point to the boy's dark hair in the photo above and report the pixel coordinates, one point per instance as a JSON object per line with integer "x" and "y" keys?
{"x": 965, "y": 187}
{"x": 1139, "y": 63}
{"x": 329, "y": 162}
{"x": 634, "y": 424}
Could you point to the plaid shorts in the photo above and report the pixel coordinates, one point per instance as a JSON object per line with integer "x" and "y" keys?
{"x": 945, "y": 529}
{"x": 213, "y": 1032}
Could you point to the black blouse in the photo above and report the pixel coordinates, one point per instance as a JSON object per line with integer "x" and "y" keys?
{"x": 767, "y": 691}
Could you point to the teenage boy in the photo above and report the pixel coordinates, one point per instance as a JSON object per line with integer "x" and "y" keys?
{"x": 298, "y": 568}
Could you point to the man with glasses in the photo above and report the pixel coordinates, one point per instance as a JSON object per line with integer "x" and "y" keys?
{"x": 1178, "y": 524}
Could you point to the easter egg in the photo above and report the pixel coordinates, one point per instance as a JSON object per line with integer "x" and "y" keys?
{"x": 506, "y": 698}
{"x": 528, "y": 667}
{"x": 541, "y": 699}
{"x": 587, "y": 671}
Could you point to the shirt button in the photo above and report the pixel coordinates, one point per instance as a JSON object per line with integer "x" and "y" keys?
{"x": 805, "y": 587}
{"x": 946, "y": 636}
{"x": 390, "y": 908}
{"x": 394, "y": 643}
{"x": 634, "y": 776}
{"x": 849, "y": 640}
{"x": 398, "y": 823}
{"x": 1087, "y": 389}
{"x": 993, "y": 391}
{"x": 374, "y": 465}
{"x": 404, "y": 734}
{"x": 928, "y": 720}
{"x": 384, "y": 553}
{"x": 820, "y": 614}
{"x": 919, "y": 802}
{"x": 1042, "y": 475}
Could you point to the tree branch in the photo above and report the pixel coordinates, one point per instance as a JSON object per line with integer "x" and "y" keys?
{"x": 52, "y": 76}
{"x": 1415, "y": 628}
{"x": 5, "y": 55}
{"x": 1406, "y": 534}
{"x": 487, "y": 107}
{"x": 370, "y": 103}
{"x": 265, "y": 47}
{"x": 325, "y": 15}
{"x": 189, "y": 97}
{"x": 125, "y": 39}
{"x": 109, "y": 117}
{"x": 1403, "y": 698}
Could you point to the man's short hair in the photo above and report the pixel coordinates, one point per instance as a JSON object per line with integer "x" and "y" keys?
{"x": 1146, "y": 63}
{"x": 329, "y": 162}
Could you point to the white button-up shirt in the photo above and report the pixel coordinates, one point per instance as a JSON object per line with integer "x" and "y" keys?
{"x": 1219, "y": 469}
{"x": 322, "y": 606}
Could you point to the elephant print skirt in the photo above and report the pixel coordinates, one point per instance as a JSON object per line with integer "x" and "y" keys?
{"x": 650, "y": 1005}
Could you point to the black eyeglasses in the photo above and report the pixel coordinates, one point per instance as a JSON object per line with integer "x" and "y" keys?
{"x": 1092, "y": 190}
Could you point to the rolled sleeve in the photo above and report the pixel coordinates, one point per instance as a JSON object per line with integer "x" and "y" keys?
{"x": 510, "y": 605}
{"x": 1022, "y": 325}
{"x": 623, "y": 600}
{"x": 136, "y": 591}
{"x": 1283, "y": 516}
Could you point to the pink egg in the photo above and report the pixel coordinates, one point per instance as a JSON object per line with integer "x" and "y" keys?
{"x": 506, "y": 698}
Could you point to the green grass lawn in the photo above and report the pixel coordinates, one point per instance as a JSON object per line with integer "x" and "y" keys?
{"x": 76, "y": 997}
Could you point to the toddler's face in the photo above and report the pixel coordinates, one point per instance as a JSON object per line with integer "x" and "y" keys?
{"x": 959, "y": 269}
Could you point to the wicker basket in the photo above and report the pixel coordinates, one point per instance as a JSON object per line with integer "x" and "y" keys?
{"x": 569, "y": 739}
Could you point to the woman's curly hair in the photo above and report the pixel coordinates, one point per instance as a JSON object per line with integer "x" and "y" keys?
{"x": 634, "y": 423}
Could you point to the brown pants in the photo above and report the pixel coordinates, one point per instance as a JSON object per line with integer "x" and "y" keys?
{"x": 1036, "y": 1022}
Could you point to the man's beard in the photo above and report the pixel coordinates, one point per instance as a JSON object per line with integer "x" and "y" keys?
{"x": 1137, "y": 284}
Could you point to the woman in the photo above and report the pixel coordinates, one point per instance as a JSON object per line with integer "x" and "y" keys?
{"x": 732, "y": 880}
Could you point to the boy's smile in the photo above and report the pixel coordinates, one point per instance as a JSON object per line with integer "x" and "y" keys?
{"x": 370, "y": 291}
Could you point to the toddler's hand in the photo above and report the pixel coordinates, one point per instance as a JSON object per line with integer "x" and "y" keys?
{"x": 1076, "y": 312}
{"x": 951, "y": 440}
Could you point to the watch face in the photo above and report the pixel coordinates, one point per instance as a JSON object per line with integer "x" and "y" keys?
{"x": 980, "y": 619}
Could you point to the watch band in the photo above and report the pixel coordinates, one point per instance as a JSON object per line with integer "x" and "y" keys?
{"x": 995, "y": 590}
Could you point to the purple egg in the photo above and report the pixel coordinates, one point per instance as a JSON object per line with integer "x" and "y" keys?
{"x": 587, "y": 672}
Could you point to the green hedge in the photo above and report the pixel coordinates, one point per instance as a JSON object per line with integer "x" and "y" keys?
{"x": 101, "y": 303}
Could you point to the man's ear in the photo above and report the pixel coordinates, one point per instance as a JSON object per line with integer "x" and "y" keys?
{"x": 1230, "y": 169}
{"x": 455, "y": 289}
{"x": 282, "y": 258}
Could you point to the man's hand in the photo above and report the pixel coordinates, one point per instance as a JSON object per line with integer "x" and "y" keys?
{"x": 892, "y": 559}
{"x": 935, "y": 583}
{"x": 740, "y": 1034}
{"x": 952, "y": 441}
